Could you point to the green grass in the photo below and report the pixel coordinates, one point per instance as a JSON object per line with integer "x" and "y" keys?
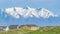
{"x": 42, "y": 30}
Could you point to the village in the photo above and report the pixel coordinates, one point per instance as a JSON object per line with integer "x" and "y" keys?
{"x": 11, "y": 27}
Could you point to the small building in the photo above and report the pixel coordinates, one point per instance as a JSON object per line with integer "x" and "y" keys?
{"x": 29, "y": 27}
{"x": 13, "y": 27}
{"x": 7, "y": 28}
{"x": 4, "y": 28}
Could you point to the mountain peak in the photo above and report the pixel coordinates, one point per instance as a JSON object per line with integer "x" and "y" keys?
{"x": 46, "y": 13}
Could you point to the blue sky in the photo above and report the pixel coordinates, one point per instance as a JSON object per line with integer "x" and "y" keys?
{"x": 52, "y": 5}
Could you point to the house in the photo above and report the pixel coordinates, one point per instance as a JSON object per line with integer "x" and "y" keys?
{"x": 4, "y": 28}
{"x": 7, "y": 28}
{"x": 13, "y": 27}
{"x": 30, "y": 27}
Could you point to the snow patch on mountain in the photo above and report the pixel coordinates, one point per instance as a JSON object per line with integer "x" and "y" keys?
{"x": 11, "y": 12}
{"x": 31, "y": 12}
{"x": 46, "y": 13}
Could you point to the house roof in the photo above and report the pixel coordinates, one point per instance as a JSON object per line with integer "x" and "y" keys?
{"x": 29, "y": 25}
{"x": 3, "y": 26}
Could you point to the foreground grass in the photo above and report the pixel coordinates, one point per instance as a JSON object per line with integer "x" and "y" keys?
{"x": 42, "y": 30}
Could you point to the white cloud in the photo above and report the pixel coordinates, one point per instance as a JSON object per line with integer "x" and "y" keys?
{"x": 11, "y": 12}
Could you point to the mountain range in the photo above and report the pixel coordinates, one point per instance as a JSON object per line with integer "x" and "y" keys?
{"x": 18, "y": 15}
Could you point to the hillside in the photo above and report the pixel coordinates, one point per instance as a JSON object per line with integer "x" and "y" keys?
{"x": 42, "y": 30}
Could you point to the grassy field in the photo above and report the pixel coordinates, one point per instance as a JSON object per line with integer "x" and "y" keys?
{"x": 42, "y": 30}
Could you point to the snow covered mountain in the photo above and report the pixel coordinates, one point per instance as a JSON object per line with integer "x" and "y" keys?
{"x": 17, "y": 12}
{"x": 18, "y": 15}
